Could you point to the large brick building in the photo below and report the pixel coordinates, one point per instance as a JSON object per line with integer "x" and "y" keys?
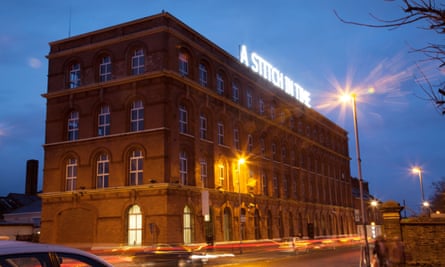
{"x": 147, "y": 123}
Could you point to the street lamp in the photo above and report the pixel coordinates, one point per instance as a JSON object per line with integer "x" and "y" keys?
{"x": 241, "y": 161}
{"x": 345, "y": 98}
{"x": 418, "y": 170}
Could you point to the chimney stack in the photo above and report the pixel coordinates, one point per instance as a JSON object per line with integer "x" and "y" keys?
{"x": 32, "y": 169}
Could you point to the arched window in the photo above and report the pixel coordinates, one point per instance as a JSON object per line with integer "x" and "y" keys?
{"x": 188, "y": 225}
{"x": 71, "y": 174}
{"x": 138, "y": 62}
{"x": 103, "y": 121}
{"x": 134, "y": 226}
{"x": 105, "y": 69}
{"x": 102, "y": 171}
{"x": 257, "y": 224}
{"x": 73, "y": 126}
{"x": 137, "y": 116}
{"x": 136, "y": 168}
{"x": 74, "y": 76}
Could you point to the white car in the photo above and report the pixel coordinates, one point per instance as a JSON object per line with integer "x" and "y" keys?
{"x": 25, "y": 254}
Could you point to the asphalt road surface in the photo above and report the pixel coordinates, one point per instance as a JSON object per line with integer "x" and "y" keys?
{"x": 344, "y": 257}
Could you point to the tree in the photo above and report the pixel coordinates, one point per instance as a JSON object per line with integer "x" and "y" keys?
{"x": 438, "y": 197}
{"x": 432, "y": 15}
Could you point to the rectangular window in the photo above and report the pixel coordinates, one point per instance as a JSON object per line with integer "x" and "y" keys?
{"x": 182, "y": 119}
{"x": 202, "y": 127}
{"x": 262, "y": 147}
{"x": 236, "y": 143}
{"x": 203, "y": 164}
{"x": 203, "y": 75}
{"x": 276, "y": 188}
{"x": 264, "y": 183}
{"x": 71, "y": 175}
{"x": 219, "y": 84}
{"x": 136, "y": 170}
{"x": 261, "y": 106}
{"x": 183, "y": 64}
{"x": 137, "y": 116}
{"x": 285, "y": 187}
{"x": 183, "y": 167}
{"x": 235, "y": 93}
{"x": 103, "y": 124}
{"x": 73, "y": 126}
{"x": 138, "y": 62}
{"x": 272, "y": 112}
{"x": 274, "y": 151}
{"x": 249, "y": 99}
{"x": 220, "y": 133}
{"x": 102, "y": 172}
{"x": 74, "y": 76}
{"x": 105, "y": 69}
{"x": 249, "y": 143}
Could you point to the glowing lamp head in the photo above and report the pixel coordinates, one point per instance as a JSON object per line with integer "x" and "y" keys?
{"x": 347, "y": 97}
{"x": 241, "y": 160}
{"x": 416, "y": 170}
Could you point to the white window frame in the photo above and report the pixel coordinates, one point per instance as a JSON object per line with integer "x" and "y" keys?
{"x": 203, "y": 126}
{"x": 183, "y": 59}
{"x": 183, "y": 167}
{"x": 203, "y": 75}
{"x": 105, "y": 69}
{"x": 103, "y": 121}
{"x": 236, "y": 142}
{"x": 74, "y": 81}
{"x": 135, "y": 226}
{"x": 221, "y": 175}
{"x": 203, "y": 171}
{"x": 102, "y": 171}
{"x": 182, "y": 119}
{"x": 137, "y": 116}
{"x": 136, "y": 169}
{"x": 138, "y": 62}
{"x": 73, "y": 126}
{"x": 235, "y": 92}
{"x": 71, "y": 174}
{"x": 219, "y": 84}
{"x": 220, "y": 133}
{"x": 249, "y": 98}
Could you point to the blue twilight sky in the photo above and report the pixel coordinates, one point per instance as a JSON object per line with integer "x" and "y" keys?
{"x": 303, "y": 39}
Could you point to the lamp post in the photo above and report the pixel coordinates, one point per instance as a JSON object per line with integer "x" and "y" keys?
{"x": 418, "y": 170}
{"x": 359, "y": 168}
{"x": 241, "y": 161}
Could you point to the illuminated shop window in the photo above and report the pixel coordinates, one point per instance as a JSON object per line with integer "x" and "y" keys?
{"x": 103, "y": 124}
{"x": 136, "y": 168}
{"x": 188, "y": 225}
{"x": 105, "y": 69}
{"x": 138, "y": 62}
{"x": 73, "y": 126}
{"x": 74, "y": 75}
{"x": 183, "y": 64}
{"x": 183, "y": 167}
{"x": 134, "y": 226}
{"x": 182, "y": 119}
{"x": 102, "y": 171}
{"x": 71, "y": 174}
{"x": 203, "y": 75}
{"x": 137, "y": 116}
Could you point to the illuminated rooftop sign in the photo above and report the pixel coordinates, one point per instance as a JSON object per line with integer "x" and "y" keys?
{"x": 269, "y": 72}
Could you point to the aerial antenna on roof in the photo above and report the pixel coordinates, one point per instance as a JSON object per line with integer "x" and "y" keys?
{"x": 69, "y": 24}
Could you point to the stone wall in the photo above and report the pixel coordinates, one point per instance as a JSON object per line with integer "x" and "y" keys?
{"x": 420, "y": 241}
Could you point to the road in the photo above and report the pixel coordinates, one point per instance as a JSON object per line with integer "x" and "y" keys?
{"x": 344, "y": 257}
